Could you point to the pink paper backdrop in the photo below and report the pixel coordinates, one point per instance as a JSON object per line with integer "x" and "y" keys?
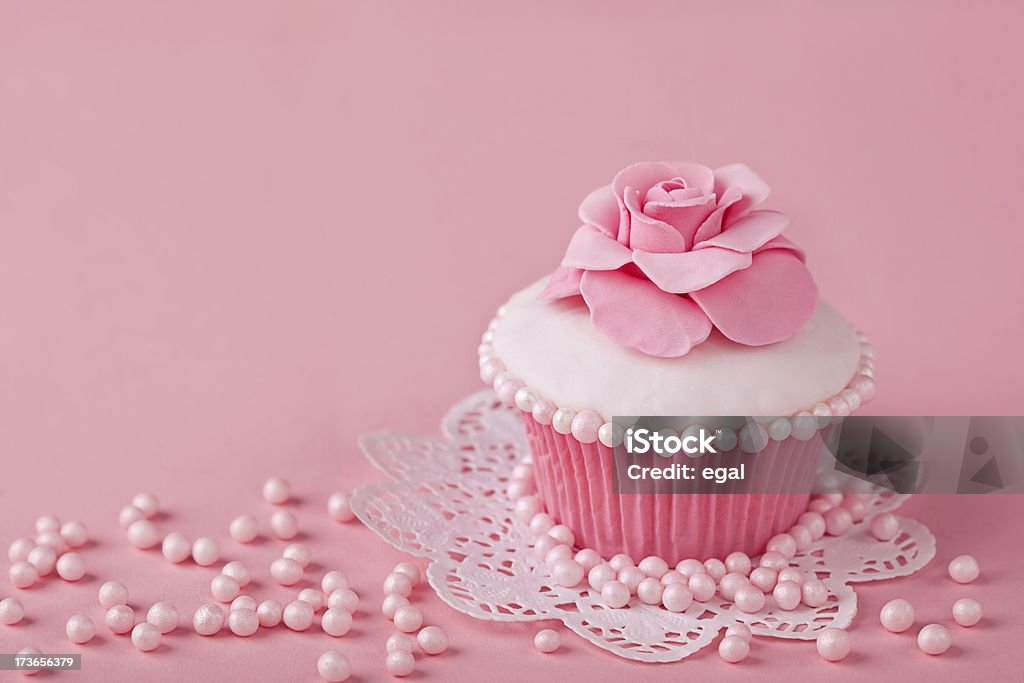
{"x": 233, "y": 236}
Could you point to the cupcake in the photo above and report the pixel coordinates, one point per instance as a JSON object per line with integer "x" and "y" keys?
{"x": 678, "y": 296}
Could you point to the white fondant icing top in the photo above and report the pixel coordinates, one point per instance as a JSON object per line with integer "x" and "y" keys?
{"x": 554, "y": 348}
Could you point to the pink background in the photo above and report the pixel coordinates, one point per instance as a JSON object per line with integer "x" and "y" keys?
{"x": 235, "y": 236}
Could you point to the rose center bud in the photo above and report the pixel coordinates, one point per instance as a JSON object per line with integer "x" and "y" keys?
{"x": 672, "y": 191}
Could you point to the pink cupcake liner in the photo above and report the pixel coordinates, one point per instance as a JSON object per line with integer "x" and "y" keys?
{"x": 576, "y": 483}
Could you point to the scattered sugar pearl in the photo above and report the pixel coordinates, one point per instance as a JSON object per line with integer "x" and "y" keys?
{"x": 164, "y": 616}
{"x": 146, "y": 637}
{"x": 702, "y": 586}
{"x": 897, "y": 615}
{"x": 784, "y": 544}
{"x": 885, "y": 527}
{"x": 244, "y": 602}
{"x": 336, "y": 622}
{"x": 334, "y": 580}
{"x": 343, "y": 598}
{"x": 749, "y": 599}
{"x": 333, "y": 667}
{"x": 672, "y": 576}
{"x": 410, "y": 570}
{"x": 399, "y": 663}
{"x": 270, "y": 613}
{"x": 244, "y": 528}
{"x": 52, "y": 539}
{"x": 398, "y": 584}
{"x": 833, "y": 644}
{"x": 176, "y": 547}
{"x": 814, "y": 523}
{"x": 568, "y": 573}
{"x": 598, "y": 576}
{"x": 147, "y": 503}
{"x": 143, "y": 534}
{"x": 432, "y": 640}
{"x": 621, "y": 561}
{"x": 615, "y": 594}
{"x": 298, "y": 615}
{"x": 588, "y": 559}
{"x": 120, "y": 619}
{"x": 540, "y": 524}
{"x": 299, "y": 552}
{"x": 676, "y": 597}
{"x": 314, "y": 597}
{"x": 858, "y": 511}
{"x": 838, "y": 521}
{"x": 802, "y": 536}
{"x": 729, "y": 583}
{"x": 286, "y": 571}
{"x": 75, "y": 534}
{"x": 562, "y": 534}
{"x": 205, "y": 551}
{"x": 690, "y": 567}
{"x": 47, "y": 523}
{"x": 243, "y": 622}
{"x": 738, "y": 563}
{"x": 650, "y": 591}
{"x": 967, "y": 612}
{"x": 654, "y": 567}
{"x": 559, "y": 552}
{"x": 277, "y": 491}
{"x": 208, "y": 620}
{"x": 740, "y": 631}
{"x": 224, "y": 588}
{"x": 734, "y": 649}
{"x": 284, "y": 524}
{"x": 23, "y": 574}
{"x": 408, "y": 619}
{"x": 43, "y": 558}
{"x": 129, "y": 515}
{"x": 391, "y": 603}
{"x": 774, "y": 560}
{"x": 80, "y": 629}
{"x": 934, "y": 639}
{"x": 11, "y": 611}
{"x": 631, "y": 576}
{"x": 237, "y": 570}
{"x": 814, "y": 592}
{"x": 399, "y": 641}
{"x": 71, "y": 567}
{"x": 764, "y": 578}
{"x": 964, "y": 569}
{"x": 113, "y": 593}
{"x": 791, "y": 574}
{"x": 787, "y": 595}
{"x": 526, "y": 507}
{"x": 19, "y": 549}
{"x": 716, "y": 569}
{"x": 30, "y": 652}
{"x": 547, "y": 640}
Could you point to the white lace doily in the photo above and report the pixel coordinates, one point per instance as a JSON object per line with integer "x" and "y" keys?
{"x": 446, "y": 501}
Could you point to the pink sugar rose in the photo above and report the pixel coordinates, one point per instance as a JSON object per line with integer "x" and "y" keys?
{"x": 671, "y": 249}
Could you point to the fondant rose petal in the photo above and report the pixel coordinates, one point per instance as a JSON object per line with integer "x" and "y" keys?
{"x": 688, "y": 271}
{"x": 713, "y": 225}
{"x": 750, "y": 184}
{"x": 636, "y": 314}
{"x": 646, "y": 174}
{"x": 649, "y": 233}
{"x": 685, "y": 216}
{"x": 562, "y": 283}
{"x": 764, "y": 303}
{"x": 601, "y": 209}
{"x": 749, "y": 232}
{"x": 781, "y": 242}
{"x": 591, "y": 249}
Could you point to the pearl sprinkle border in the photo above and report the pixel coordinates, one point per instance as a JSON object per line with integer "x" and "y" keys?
{"x": 588, "y": 426}
{"x": 745, "y": 581}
